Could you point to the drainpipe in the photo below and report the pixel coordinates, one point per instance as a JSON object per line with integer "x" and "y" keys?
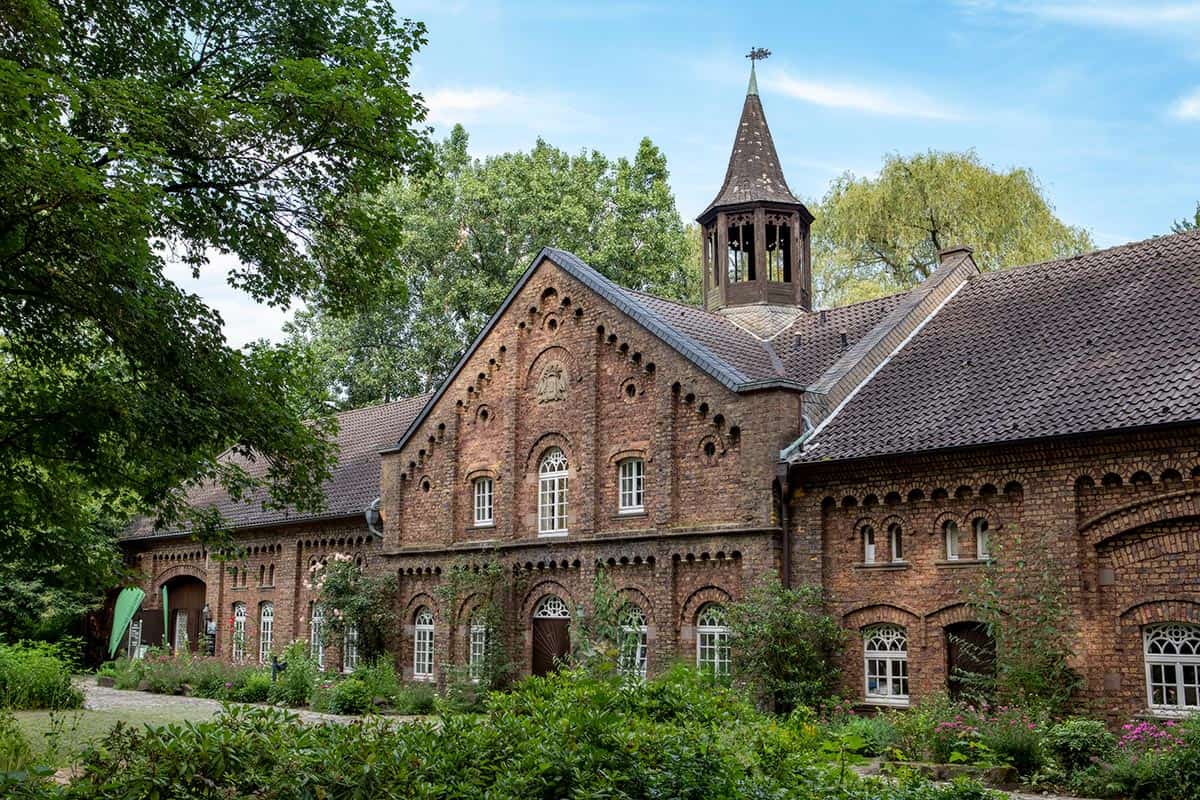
{"x": 781, "y": 474}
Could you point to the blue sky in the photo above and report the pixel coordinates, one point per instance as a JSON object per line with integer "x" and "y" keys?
{"x": 1100, "y": 100}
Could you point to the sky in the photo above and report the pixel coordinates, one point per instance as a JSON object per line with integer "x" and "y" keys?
{"x": 1101, "y": 100}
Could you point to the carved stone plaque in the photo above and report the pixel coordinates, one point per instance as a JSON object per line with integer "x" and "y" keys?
{"x": 552, "y": 385}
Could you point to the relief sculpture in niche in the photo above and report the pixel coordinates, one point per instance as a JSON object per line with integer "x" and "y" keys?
{"x": 552, "y": 385}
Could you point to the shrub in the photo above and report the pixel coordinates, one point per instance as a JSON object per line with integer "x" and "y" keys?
{"x": 294, "y": 686}
{"x": 254, "y": 687}
{"x": 415, "y": 698}
{"x": 15, "y": 752}
{"x": 1076, "y": 743}
{"x": 380, "y": 679}
{"x": 1012, "y": 737}
{"x": 878, "y": 732}
{"x": 36, "y": 675}
{"x": 784, "y": 645}
{"x": 351, "y": 696}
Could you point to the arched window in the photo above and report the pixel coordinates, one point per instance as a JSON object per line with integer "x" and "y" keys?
{"x": 982, "y": 546}
{"x": 868, "y": 540}
{"x": 350, "y": 650}
{"x": 631, "y": 661}
{"x": 262, "y": 574}
{"x": 316, "y": 635}
{"x": 1172, "y": 655}
{"x": 632, "y": 474}
{"x": 885, "y": 663}
{"x": 552, "y": 607}
{"x": 552, "y": 494}
{"x": 477, "y": 653}
{"x": 483, "y": 502}
{"x": 239, "y": 633}
{"x": 896, "y": 541}
{"x": 779, "y": 249}
{"x": 950, "y": 531}
{"x": 266, "y": 621}
{"x": 271, "y": 575}
{"x": 740, "y": 250}
{"x": 423, "y": 645}
{"x": 712, "y": 639}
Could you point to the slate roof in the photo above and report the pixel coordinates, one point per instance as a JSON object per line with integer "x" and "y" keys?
{"x": 754, "y": 173}
{"x": 352, "y": 486}
{"x": 1098, "y": 342}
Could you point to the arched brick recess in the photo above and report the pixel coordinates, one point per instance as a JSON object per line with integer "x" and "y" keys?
{"x": 176, "y": 571}
{"x": 416, "y": 601}
{"x": 637, "y": 597}
{"x": 555, "y": 352}
{"x": 1150, "y": 612}
{"x": 542, "y": 444}
{"x": 947, "y": 615}
{"x": 1139, "y": 513}
{"x": 705, "y": 594}
{"x": 876, "y": 613}
{"x": 540, "y": 590}
{"x": 941, "y": 519}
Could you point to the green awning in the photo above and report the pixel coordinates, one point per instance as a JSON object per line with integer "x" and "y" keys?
{"x": 128, "y": 602}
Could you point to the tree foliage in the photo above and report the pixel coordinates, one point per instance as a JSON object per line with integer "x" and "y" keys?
{"x": 1183, "y": 225}
{"x": 134, "y": 134}
{"x": 354, "y": 600}
{"x": 874, "y": 236}
{"x": 785, "y": 645}
{"x": 467, "y": 231}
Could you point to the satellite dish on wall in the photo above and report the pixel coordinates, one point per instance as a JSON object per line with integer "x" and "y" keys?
{"x": 374, "y": 518}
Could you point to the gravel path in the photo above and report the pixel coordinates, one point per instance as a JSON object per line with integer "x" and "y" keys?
{"x": 101, "y": 698}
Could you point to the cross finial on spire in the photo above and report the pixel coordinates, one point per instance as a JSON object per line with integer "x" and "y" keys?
{"x": 755, "y": 54}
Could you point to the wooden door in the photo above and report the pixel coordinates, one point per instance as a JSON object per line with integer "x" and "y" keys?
{"x": 970, "y": 654}
{"x": 185, "y": 605}
{"x": 551, "y": 642}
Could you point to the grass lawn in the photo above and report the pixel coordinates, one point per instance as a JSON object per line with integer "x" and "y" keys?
{"x": 63, "y": 734}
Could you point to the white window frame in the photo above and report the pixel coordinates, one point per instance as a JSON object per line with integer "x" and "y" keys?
{"x": 631, "y": 485}
{"x": 239, "y": 633}
{"x": 712, "y": 639}
{"x": 477, "y": 648}
{"x": 266, "y": 624}
{"x": 982, "y": 545}
{"x": 885, "y": 665}
{"x": 316, "y": 636}
{"x": 1172, "y": 659}
{"x": 552, "y": 607}
{"x": 134, "y": 647}
{"x": 868, "y": 541}
{"x": 552, "y": 493}
{"x": 631, "y": 659}
{"x": 350, "y": 649}
{"x": 180, "y": 643}
{"x": 896, "y": 542}
{"x": 484, "y": 496}
{"x": 950, "y": 534}
{"x": 423, "y": 644}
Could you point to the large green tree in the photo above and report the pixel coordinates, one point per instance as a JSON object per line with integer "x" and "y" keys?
{"x": 137, "y": 133}
{"x": 879, "y": 235}
{"x": 465, "y": 234}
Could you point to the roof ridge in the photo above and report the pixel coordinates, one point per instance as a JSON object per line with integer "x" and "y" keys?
{"x": 1089, "y": 253}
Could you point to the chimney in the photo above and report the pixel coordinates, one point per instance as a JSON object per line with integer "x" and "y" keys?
{"x": 950, "y": 253}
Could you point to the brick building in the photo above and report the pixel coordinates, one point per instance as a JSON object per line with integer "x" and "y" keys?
{"x": 884, "y": 450}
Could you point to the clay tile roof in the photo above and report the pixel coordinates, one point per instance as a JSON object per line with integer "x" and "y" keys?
{"x": 1094, "y": 343}
{"x": 754, "y": 173}
{"x": 351, "y": 487}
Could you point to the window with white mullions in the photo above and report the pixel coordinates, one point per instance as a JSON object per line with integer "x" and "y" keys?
{"x": 982, "y": 546}
{"x": 1172, "y": 654}
{"x": 423, "y": 645}
{"x": 631, "y": 661}
{"x": 483, "y": 501}
{"x": 896, "y": 541}
{"x": 885, "y": 660}
{"x": 266, "y": 623}
{"x": 950, "y": 532}
{"x": 316, "y": 635}
{"x": 632, "y": 472}
{"x": 712, "y": 640}
{"x": 350, "y": 650}
{"x": 552, "y": 494}
{"x": 239, "y": 633}
{"x": 477, "y": 656}
{"x": 868, "y": 538}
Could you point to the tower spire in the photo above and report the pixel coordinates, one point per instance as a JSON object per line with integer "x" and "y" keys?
{"x": 755, "y": 54}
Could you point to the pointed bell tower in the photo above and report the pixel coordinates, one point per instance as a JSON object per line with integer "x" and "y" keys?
{"x": 756, "y": 232}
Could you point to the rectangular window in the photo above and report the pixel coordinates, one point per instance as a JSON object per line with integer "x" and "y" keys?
{"x": 350, "y": 650}
{"x": 631, "y": 661}
{"x": 265, "y": 624}
{"x": 135, "y": 639}
{"x": 316, "y": 637}
{"x": 483, "y": 502}
{"x": 552, "y": 505}
{"x": 478, "y": 654}
{"x": 632, "y": 488}
{"x": 423, "y": 651}
{"x": 897, "y": 543}
{"x": 239, "y": 634}
{"x": 868, "y": 544}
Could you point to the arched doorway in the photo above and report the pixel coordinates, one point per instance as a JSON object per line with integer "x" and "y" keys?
{"x": 185, "y": 613}
{"x": 551, "y": 634}
{"x": 970, "y": 658}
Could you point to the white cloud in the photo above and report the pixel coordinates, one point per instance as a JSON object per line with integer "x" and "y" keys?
{"x": 448, "y": 106}
{"x": 890, "y": 102}
{"x": 1187, "y": 107}
{"x": 244, "y": 320}
{"x": 1158, "y": 18}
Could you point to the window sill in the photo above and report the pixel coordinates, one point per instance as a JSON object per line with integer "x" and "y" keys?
{"x": 423, "y": 678}
{"x": 884, "y": 702}
{"x": 553, "y": 535}
{"x": 1167, "y": 713}
{"x": 883, "y": 566}
{"x": 483, "y": 526}
{"x": 631, "y": 512}
{"x": 953, "y": 563}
